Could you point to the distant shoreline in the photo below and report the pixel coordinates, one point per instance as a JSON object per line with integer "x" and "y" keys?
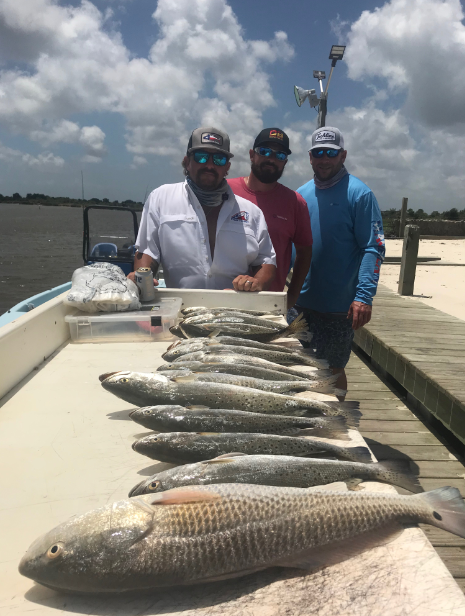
{"x": 78, "y": 205}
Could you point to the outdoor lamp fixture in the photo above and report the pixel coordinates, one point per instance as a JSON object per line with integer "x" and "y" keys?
{"x": 336, "y": 53}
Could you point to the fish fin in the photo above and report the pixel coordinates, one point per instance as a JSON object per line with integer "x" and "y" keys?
{"x": 449, "y": 508}
{"x": 350, "y": 404}
{"x": 197, "y": 407}
{"x": 297, "y": 327}
{"x": 353, "y": 484}
{"x": 325, "y": 556}
{"x": 206, "y": 433}
{"x": 193, "y": 376}
{"x": 214, "y": 334}
{"x": 229, "y": 576}
{"x": 359, "y": 454}
{"x": 226, "y": 456}
{"x": 178, "y": 496}
{"x": 315, "y": 454}
{"x": 142, "y": 504}
{"x": 335, "y": 430}
{"x": 336, "y": 486}
{"x": 398, "y": 473}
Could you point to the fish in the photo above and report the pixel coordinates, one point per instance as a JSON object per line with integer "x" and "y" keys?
{"x": 276, "y": 357}
{"x": 259, "y": 372}
{"x": 147, "y": 388}
{"x": 200, "y": 309}
{"x": 232, "y": 340}
{"x": 232, "y": 317}
{"x": 238, "y": 358}
{"x": 297, "y": 329}
{"x": 172, "y": 418}
{"x": 287, "y": 471}
{"x": 282, "y": 387}
{"x": 187, "y": 447}
{"x": 198, "y": 534}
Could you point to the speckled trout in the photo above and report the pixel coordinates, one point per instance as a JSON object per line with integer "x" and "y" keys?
{"x": 276, "y": 356}
{"x": 247, "y": 369}
{"x": 172, "y": 418}
{"x": 325, "y": 386}
{"x": 204, "y": 533}
{"x": 288, "y": 471}
{"x": 187, "y": 447}
{"x": 148, "y": 388}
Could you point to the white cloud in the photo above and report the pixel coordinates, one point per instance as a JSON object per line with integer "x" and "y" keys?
{"x": 46, "y": 159}
{"x": 201, "y": 64}
{"x": 411, "y": 56}
{"x": 138, "y": 161}
{"x": 418, "y": 47}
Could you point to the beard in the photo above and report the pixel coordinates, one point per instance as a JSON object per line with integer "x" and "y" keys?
{"x": 207, "y": 179}
{"x": 267, "y": 172}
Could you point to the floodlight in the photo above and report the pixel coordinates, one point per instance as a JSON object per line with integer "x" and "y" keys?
{"x": 301, "y": 94}
{"x": 319, "y": 74}
{"x": 337, "y": 52}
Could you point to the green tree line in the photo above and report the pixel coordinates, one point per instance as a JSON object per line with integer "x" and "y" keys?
{"x": 40, "y": 199}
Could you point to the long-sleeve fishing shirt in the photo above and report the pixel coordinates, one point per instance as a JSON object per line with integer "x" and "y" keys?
{"x": 348, "y": 245}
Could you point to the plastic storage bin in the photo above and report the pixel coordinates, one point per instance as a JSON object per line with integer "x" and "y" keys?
{"x": 149, "y": 324}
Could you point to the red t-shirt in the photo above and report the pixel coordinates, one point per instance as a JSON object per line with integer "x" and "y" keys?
{"x": 288, "y": 222}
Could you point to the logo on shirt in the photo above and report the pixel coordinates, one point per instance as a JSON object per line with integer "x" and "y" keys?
{"x": 241, "y": 217}
{"x": 276, "y": 134}
{"x": 326, "y": 135}
{"x": 212, "y": 138}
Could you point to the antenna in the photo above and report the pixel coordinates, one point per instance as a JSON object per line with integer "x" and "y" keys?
{"x": 82, "y": 183}
{"x": 146, "y": 191}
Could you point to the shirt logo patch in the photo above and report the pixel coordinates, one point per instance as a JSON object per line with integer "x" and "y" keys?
{"x": 240, "y": 217}
{"x": 275, "y": 134}
{"x": 212, "y": 138}
{"x": 326, "y": 135}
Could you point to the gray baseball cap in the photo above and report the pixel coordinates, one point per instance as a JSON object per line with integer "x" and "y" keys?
{"x": 327, "y": 137}
{"x": 211, "y": 138}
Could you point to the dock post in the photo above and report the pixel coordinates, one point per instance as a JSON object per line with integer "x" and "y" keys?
{"x": 403, "y": 216}
{"x": 408, "y": 264}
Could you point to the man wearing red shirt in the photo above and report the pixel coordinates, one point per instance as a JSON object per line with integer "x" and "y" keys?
{"x": 285, "y": 211}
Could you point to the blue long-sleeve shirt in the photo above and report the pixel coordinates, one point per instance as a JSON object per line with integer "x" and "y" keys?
{"x": 348, "y": 245}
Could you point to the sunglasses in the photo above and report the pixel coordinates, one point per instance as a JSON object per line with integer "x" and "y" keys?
{"x": 218, "y": 159}
{"x": 329, "y": 153}
{"x": 268, "y": 152}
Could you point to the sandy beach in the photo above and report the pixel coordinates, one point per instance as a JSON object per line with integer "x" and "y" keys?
{"x": 441, "y": 286}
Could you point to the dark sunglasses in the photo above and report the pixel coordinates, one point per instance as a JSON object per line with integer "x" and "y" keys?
{"x": 218, "y": 159}
{"x": 268, "y": 152}
{"x": 329, "y": 153}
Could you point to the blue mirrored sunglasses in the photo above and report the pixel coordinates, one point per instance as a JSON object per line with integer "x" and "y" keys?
{"x": 329, "y": 153}
{"x": 218, "y": 159}
{"x": 268, "y": 152}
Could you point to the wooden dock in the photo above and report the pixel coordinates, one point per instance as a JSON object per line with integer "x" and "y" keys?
{"x": 420, "y": 350}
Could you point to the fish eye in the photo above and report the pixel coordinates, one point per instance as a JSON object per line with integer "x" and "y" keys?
{"x": 124, "y": 380}
{"x": 147, "y": 412}
{"x": 154, "y": 485}
{"x": 54, "y": 551}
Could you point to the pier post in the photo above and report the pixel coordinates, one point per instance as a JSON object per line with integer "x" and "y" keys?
{"x": 403, "y": 216}
{"x": 408, "y": 263}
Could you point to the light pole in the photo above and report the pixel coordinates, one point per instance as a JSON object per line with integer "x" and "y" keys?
{"x": 336, "y": 53}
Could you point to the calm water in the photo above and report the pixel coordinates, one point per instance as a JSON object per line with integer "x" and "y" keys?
{"x": 41, "y": 246}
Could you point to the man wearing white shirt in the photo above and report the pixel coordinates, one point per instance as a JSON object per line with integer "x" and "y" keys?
{"x": 203, "y": 235}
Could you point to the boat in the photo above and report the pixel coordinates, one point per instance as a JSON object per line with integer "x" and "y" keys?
{"x": 65, "y": 447}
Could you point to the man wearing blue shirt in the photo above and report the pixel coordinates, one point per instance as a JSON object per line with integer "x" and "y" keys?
{"x": 348, "y": 249}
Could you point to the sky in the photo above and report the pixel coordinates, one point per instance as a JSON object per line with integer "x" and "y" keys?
{"x": 113, "y": 88}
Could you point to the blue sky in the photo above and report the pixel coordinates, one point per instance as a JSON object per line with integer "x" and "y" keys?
{"x": 114, "y": 87}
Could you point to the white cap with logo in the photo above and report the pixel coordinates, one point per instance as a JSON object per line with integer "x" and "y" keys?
{"x": 327, "y": 137}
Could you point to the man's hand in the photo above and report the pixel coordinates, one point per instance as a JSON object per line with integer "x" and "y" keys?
{"x": 360, "y": 313}
{"x": 247, "y": 283}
